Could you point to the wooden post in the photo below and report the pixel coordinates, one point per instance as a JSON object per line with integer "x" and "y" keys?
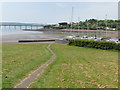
{"x": 15, "y": 27}
{"x": 26, "y": 27}
{"x": 37, "y": 27}
{"x": 20, "y": 27}
{"x": 9, "y": 26}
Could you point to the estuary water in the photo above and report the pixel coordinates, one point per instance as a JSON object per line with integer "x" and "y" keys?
{"x": 13, "y": 35}
{"x": 12, "y": 30}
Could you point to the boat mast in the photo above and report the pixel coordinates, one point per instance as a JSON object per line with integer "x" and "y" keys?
{"x": 97, "y": 27}
{"x": 106, "y": 24}
{"x": 78, "y": 25}
{"x": 72, "y": 20}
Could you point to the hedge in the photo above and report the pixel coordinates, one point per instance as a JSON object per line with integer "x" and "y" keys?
{"x": 95, "y": 44}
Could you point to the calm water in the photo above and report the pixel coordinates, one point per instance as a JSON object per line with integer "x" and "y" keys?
{"x": 13, "y": 35}
{"x": 17, "y": 30}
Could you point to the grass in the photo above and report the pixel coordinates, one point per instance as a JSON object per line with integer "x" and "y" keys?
{"x": 19, "y": 60}
{"x": 79, "y": 67}
{"x": 0, "y": 66}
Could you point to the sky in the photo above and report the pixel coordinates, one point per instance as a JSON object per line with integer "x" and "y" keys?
{"x": 55, "y": 12}
{"x": 59, "y": 0}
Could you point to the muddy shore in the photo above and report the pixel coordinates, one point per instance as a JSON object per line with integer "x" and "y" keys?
{"x": 14, "y": 38}
{"x": 46, "y": 34}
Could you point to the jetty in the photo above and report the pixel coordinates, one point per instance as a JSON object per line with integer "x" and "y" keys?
{"x": 36, "y": 40}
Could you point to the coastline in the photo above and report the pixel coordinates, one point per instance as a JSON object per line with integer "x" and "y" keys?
{"x": 14, "y": 38}
{"x": 46, "y": 34}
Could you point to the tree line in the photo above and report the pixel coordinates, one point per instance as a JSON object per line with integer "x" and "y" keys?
{"x": 91, "y": 24}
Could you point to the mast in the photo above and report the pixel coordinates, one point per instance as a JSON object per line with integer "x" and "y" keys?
{"x": 87, "y": 27}
{"x": 72, "y": 19}
{"x": 97, "y": 27}
{"x": 106, "y": 24}
{"x": 78, "y": 25}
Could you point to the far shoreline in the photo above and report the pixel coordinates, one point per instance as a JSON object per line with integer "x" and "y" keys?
{"x": 112, "y": 34}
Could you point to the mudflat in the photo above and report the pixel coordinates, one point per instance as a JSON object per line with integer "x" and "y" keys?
{"x": 14, "y": 38}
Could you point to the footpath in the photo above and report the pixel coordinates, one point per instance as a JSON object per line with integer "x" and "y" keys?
{"x": 25, "y": 83}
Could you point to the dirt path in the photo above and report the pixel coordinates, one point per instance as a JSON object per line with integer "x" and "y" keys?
{"x": 28, "y": 80}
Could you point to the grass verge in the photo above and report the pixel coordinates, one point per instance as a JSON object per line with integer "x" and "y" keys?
{"x": 79, "y": 67}
{"x": 0, "y": 66}
{"x": 19, "y": 60}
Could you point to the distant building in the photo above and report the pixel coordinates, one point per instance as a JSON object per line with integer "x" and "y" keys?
{"x": 107, "y": 28}
{"x": 63, "y": 24}
{"x": 113, "y": 29}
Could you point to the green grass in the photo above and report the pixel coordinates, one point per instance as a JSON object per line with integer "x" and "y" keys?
{"x": 79, "y": 67}
{"x": 19, "y": 60}
{"x": 0, "y": 66}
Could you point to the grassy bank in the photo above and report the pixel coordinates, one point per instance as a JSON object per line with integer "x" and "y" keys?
{"x": 79, "y": 67}
{"x": 20, "y": 60}
{"x": 0, "y": 66}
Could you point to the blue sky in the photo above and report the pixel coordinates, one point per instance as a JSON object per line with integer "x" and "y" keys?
{"x": 55, "y": 12}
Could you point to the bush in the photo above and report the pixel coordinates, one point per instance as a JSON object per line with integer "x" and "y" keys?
{"x": 95, "y": 44}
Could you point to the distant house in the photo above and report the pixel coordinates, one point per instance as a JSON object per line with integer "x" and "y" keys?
{"x": 111, "y": 28}
{"x": 107, "y": 28}
{"x": 63, "y": 24}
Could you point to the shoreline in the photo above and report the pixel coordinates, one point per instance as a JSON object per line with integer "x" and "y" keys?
{"x": 69, "y": 30}
{"x": 14, "y": 38}
{"x": 46, "y": 34}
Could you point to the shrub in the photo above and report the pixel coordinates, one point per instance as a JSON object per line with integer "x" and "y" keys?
{"x": 95, "y": 44}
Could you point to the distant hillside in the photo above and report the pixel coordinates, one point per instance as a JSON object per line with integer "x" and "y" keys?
{"x": 17, "y": 23}
{"x": 91, "y": 24}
